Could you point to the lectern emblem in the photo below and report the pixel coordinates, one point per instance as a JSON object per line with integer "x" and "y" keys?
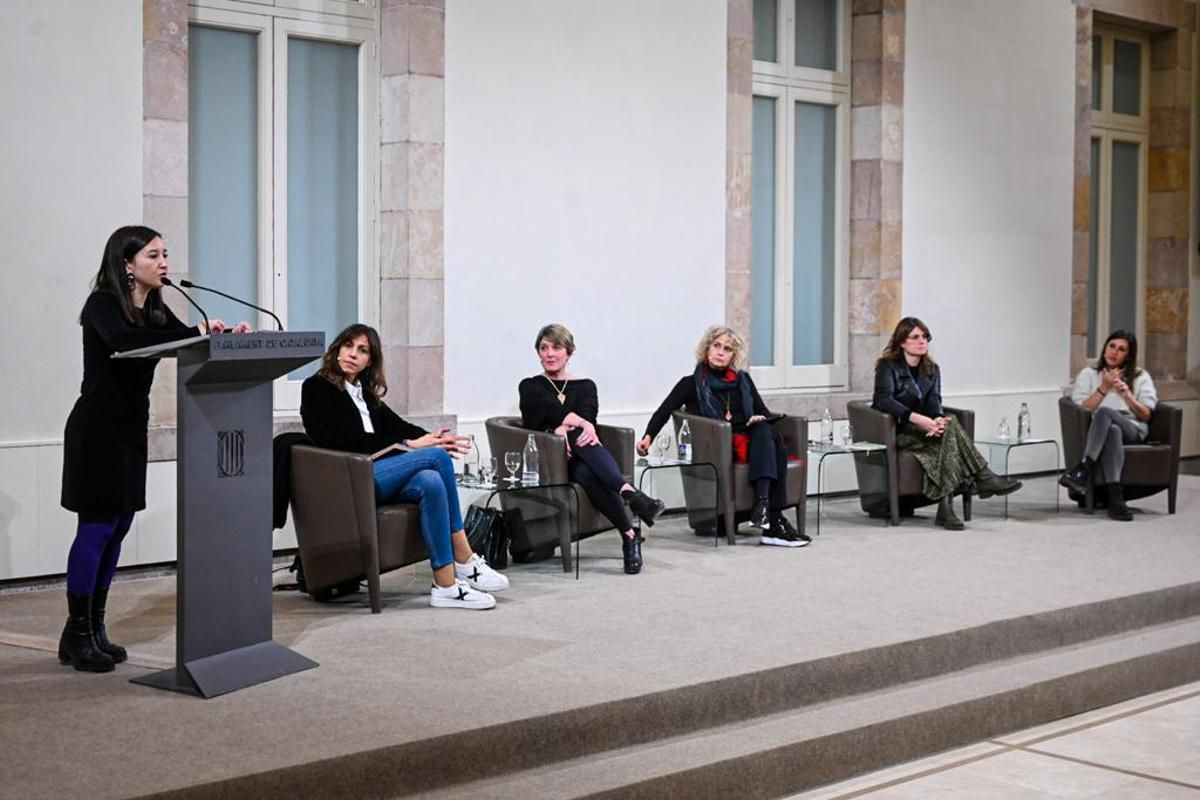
{"x": 231, "y": 453}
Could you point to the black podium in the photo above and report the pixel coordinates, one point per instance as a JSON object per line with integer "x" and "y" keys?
{"x": 223, "y": 530}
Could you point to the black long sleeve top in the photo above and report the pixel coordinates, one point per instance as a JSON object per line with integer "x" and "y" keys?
{"x": 901, "y": 390}
{"x": 332, "y": 420}
{"x": 684, "y": 395}
{"x": 540, "y": 409}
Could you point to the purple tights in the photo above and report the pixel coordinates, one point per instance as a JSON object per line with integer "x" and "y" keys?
{"x": 92, "y": 561}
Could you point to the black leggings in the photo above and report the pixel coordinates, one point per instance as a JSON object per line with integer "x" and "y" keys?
{"x": 594, "y": 468}
{"x": 768, "y": 461}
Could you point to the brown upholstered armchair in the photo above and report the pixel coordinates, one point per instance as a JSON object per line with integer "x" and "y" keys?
{"x": 342, "y": 534}
{"x": 1149, "y": 468}
{"x": 505, "y": 435}
{"x": 712, "y": 442}
{"x": 905, "y": 477}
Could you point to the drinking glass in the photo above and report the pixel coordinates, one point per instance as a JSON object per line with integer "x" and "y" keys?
{"x": 488, "y": 471}
{"x": 512, "y": 462}
{"x": 663, "y": 443}
{"x": 848, "y": 435}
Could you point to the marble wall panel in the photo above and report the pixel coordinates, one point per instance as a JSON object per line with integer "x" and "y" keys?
{"x": 393, "y": 244}
{"x": 426, "y": 40}
{"x": 1167, "y": 263}
{"x": 426, "y": 379}
{"x": 425, "y": 312}
{"x": 425, "y": 177}
{"x": 393, "y": 108}
{"x": 425, "y": 250}
{"x": 1166, "y": 310}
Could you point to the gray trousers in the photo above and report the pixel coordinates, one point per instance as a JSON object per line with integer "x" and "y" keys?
{"x": 1107, "y": 437}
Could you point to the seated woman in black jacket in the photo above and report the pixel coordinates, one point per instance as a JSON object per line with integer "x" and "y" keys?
{"x": 908, "y": 385}
{"x": 343, "y": 409}
{"x": 721, "y": 389}
{"x": 558, "y": 402}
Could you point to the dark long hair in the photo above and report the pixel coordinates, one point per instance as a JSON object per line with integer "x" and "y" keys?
{"x": 125, "y": 243}
{"x": 371, "y": 379}
{"x": 1129, "y": 369}
{"x": 895, "y": 346}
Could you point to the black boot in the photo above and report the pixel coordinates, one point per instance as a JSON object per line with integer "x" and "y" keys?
{"x": 988, "y": 483}
{"x": 760, "y": 516}
{"x": 100, "y": 633}
{"x": 1077, "y": 479}
{"x": 946, "y": 516}
{"x": 77, "y": 647}
{"x": 646, "y": 507}
{"x": 1116, "y": 504}
{"x": 631, "y": 549}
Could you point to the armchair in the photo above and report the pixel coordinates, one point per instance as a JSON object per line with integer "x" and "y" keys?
{"x": 1150, "y": 466}
{"x": 341, "y": 533}
{"x": 505, "y": 434}
{"x": 712, "y": 442}
{"x": 905, "y": 477}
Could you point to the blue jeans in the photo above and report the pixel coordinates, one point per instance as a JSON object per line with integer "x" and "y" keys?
{"x": 424, "y": 477}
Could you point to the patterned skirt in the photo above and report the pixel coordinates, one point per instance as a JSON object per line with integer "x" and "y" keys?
{"x": 950, "y": 461}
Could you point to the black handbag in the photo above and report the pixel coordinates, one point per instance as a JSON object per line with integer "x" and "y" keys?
{"x": 488, "y": 535}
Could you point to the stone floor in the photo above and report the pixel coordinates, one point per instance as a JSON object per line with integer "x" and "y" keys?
{"x": 1145, "y": 749}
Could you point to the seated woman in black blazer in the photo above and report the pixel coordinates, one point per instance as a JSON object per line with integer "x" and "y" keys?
{"x": 558, "y": 402}
{"x": 908, "y": 385}
{"x": 342, "y": 408}
{"x": 721, "y": 389}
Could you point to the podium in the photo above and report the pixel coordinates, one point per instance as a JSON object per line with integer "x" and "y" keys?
{"x": 223, "y": 521}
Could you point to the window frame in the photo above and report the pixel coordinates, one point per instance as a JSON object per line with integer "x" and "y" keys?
{"x": 1109, "y": 127}
{"x": 788, "y": 85}
{"x": 274, "y": 28}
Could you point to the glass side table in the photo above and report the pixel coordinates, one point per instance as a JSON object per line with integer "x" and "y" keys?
{"x": 1006, "y": 446}
{"x": 550, "y": 512}
{"x": 868, "y": 455}
{"x": 700, "y": 482}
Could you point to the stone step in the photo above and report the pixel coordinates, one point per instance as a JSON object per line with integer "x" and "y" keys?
{"x": 780, "y": 754}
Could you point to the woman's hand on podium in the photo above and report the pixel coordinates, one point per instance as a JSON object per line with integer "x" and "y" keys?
{"x": 218, "y": 326}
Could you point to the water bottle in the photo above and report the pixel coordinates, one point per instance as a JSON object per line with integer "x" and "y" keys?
{"x": 1023, "y": 431}
{"x": 827, "y": 427}
{"x": 685, "y": 443}
{"x": 530, "y": 472}
{"x": 471, "y": 474}
{"x": 1002, "y": 431}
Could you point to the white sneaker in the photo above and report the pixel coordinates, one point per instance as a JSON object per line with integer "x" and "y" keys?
{"x": 479, "y": 576}
{"x": 460, "y": 595}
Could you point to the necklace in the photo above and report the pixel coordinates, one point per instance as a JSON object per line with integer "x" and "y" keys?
{"x": 728, "y": 413}
{"x": 561, "y": 394}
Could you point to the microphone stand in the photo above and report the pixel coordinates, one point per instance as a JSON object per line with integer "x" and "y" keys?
{"x": 189, "y": 285}
{"x": 168, "y": 282}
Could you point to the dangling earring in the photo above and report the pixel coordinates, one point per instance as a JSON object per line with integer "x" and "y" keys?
{"x": 129, "y": 280}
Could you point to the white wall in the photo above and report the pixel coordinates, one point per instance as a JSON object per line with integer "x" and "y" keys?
{"x": 988, "y": 174}
{"x": 585, "y": 184}
{"x": 71, "y": 172}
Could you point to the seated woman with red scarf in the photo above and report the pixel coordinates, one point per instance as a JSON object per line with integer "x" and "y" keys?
{"x": 721, "y": 390}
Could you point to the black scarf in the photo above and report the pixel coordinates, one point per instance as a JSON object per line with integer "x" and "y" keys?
{"x": 708, "y": 383}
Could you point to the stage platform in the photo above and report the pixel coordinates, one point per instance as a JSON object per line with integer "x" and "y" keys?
{"x": 729, "y": 672}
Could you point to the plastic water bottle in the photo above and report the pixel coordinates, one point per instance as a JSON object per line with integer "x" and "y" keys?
{"x": 530, "y": 472}
{"x": 685, "y": 442}
{"x": 471, "y": 475}
{"x": 827, "y": 427}
{"x": 1023, "y": 431}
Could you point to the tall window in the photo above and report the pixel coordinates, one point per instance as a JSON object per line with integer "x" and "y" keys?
{"x": 282, "y": 162}
{"x": 1120, "y": 135}
{"x": 800, "y": 216}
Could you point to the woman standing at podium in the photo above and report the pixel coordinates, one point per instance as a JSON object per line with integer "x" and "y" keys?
{"x": 342, "y": 408}
{"x": 104, "y": 445}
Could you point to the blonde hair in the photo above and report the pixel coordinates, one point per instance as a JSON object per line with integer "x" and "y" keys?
{"x": 556, "y": 334}
{"x": 715, "y": 332}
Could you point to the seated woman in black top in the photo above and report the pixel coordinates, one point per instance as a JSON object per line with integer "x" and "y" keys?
{"x": 908, "y": 385}
{"x": 565, "y": 405}
{"x": 719, "y": 388}
{"x": 343, "y": 409}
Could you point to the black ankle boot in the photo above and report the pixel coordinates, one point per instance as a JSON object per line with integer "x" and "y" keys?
{"x": 77, "y": 647}
{"x": 1116, "y": 504}
{"x": 646, "y": 507}
{"x": 988, "y": 483}
{"x": 1077, "y": 479}
{"x": 631, "y": 549}
{"x": 946, "y": 516}
{"x": 100, "y": 633}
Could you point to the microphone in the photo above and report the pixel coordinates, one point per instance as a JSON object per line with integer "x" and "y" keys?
{"x": 168, "y": 282}
{"x": 189, "y": 285}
